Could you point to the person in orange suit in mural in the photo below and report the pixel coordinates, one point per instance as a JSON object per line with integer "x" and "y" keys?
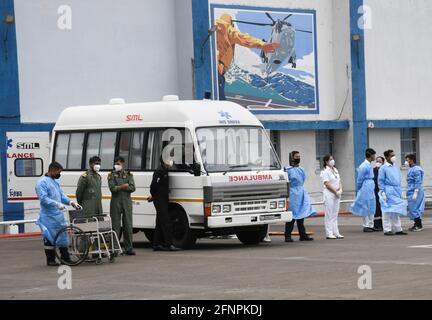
{"x": 227, "y": 38}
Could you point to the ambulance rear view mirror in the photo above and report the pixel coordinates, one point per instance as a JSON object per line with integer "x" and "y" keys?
{"x": 196, "y": 169}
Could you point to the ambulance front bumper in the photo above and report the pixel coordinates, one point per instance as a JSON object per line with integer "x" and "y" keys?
{"x": 240, "y": 220}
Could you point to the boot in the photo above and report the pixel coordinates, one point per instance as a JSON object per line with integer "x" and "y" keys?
{"x": 378, "y": 225}
{"x": 65, "y": 257}
{"x": 418, "y": 225}
{"x": 288, "y": 239}
{"x": 305, "y": 237}
{"x": 50, "y": 256}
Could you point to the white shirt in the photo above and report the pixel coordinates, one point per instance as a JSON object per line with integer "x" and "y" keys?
{"x": 332, "y": 176}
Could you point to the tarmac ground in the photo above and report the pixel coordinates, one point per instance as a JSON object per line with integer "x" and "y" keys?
{"x": 397, "y": 267}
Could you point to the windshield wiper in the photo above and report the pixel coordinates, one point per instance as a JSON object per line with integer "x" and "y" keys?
{"x": 235, "y": 167}
{"x": 269, "y": 167}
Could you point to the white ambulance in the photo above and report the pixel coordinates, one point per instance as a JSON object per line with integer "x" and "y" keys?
{"x": 226, "y": 178}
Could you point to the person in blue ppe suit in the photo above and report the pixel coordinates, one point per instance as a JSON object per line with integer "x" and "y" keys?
{"x": 51, "y": 218}
{"x": 364, "y": 204}
{"x": 300, "y": 204}
{"x": 415, "y": 192}
{"x": 390, "y": 193}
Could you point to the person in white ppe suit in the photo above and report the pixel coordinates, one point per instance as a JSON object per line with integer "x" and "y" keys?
{"x": 390, "y": 194}
{"x": 332, "y": 194}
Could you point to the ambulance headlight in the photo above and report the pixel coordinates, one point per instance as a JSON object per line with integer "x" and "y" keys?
{"x": 226, "y": 208}
{"x": 216, "y": 208}
{"x": 281, "y": 204}
{"x": 273, "y": 204}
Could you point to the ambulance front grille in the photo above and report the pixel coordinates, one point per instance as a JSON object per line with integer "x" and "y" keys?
{"x": 250, "y": 206}
{"x": 245, "y": 192}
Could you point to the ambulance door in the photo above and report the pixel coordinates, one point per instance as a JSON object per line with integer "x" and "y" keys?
{"x": 27, "y": 160}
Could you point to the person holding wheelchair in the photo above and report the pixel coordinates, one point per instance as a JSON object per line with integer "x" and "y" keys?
{"x": 51, "y": 217}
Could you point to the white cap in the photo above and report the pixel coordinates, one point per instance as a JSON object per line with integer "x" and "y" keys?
{"x": 117, "y": 101}
{"x": 170, "y": 97}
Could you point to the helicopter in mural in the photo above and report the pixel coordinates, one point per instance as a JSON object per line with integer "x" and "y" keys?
{"x": 284, "y": 33}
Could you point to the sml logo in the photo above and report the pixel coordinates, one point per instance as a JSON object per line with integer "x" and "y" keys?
{"x": 226, "y": 118}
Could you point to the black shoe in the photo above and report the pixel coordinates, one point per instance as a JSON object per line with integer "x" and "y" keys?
{"x": 378, "y": 229}
{"x": 306, "y": 238}
{"x": 368, "y": 230}
{"x": 130, "y": 253}
{"x": 415, "y": 229}
{"x": 160, "y": 248}
{"x": 401, "y": 233}
{"x": 289, "y": 239}
{"x": 52, "y": 264}
{"x": 390, "y": 233}
{"x": 172, "y": 248}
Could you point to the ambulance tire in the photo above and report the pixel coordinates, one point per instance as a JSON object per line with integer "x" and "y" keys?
{"x": 149, "y": 233}
{"x": 253, "y": 236}
{"x": 183, "y": 236}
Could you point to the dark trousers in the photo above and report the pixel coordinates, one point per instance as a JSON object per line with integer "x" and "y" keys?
{"x": 289, "y": 226}
{"x": 378, "y": 213}
{"x": 50, "y": 251}
{"x": 164, "y": 232}
{"x": 221, "y": 81}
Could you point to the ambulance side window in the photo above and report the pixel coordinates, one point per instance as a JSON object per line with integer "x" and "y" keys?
{"x": 131, "y": 147}
{"x": 28, "y": 167}
{"x": 69, "y": 149}
{"x": 102, "y": 144}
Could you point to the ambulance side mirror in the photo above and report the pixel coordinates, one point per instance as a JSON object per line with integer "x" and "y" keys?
{"x": 196, "y": 169}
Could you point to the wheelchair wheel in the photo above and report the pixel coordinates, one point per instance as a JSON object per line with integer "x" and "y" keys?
{"x": 75, "y": 241}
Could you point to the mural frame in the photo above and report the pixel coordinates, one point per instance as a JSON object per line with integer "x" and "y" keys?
{"x": 214, "y": 81}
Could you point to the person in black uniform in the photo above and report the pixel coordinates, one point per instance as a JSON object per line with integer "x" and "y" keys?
{"x": 159, "y": 190}
{"x": 378, "y": 214}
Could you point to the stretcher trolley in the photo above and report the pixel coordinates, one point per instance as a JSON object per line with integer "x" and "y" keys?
{"x": 87, "y": 239}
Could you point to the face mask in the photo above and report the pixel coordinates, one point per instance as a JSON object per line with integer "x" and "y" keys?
{"x": 332, "y": 163}
{"x": 378, "y": 164}
{"x": 57, "y": 176}
{"x": 118, "y": 167}
{"x": 393, "y": 159}
{"x": 169, "y": 163}
{"x": 406, "y": 164}
{"x": 96, "y": 167}
{"x": 296, "y": 161}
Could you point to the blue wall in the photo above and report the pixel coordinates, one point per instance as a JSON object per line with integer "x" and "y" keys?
{"x": 202, "y": 55}
{"x": 10, "y": 119}
{"x": 9, "y": 98}
{"x": 358, "y": 84}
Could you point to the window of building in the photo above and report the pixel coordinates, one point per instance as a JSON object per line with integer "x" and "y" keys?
{"x": 68, "y": 150}
{"x": 28, "y": 167}
{"x": 409, "y": 142}
{"x": 324, "y": 142}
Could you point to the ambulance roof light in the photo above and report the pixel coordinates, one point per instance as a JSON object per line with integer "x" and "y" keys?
{"x": 115, "y": 101}
{"x": 170, "y": 97}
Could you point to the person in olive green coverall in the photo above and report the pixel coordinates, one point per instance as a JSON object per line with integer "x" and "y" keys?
{"x": 121, "y": 184}
{"x": 89, "y": 192}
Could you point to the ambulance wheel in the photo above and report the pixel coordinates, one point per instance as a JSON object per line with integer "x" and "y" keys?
{"x": 75, "y": 241}
{"x": 253, "y": 235}
{"x": 183, "y": 236}
{"x": 149, "y": 233}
